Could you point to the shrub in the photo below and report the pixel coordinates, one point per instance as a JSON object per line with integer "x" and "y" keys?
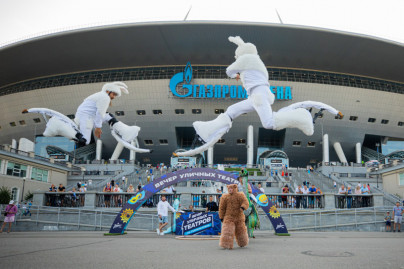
{"x": 5, "y": 195}
{"x": 28, "y": 196}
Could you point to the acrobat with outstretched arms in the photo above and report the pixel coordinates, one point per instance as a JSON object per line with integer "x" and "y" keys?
{"x": 90, "y": 115}
{"x": 254, "y": 76}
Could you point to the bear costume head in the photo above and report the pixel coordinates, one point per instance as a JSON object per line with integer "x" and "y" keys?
{"x": 233, "y": 188}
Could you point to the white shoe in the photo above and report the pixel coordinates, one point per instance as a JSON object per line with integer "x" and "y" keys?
{"x": 56, "y": 127}
{"x": 158, "y": 231}
{"x": 162, "y": 233}
{"x": 297, "y": 118}
{"x": 128, "y": 133}
{"x": 208, "y": 129}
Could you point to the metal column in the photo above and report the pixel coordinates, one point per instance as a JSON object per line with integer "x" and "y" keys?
{"x": 250, "y": 145}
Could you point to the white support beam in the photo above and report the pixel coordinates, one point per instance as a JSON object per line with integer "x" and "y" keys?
{"x": 210, "y": 156}
{"x": 117, "y": 152}
{"x": 98, "y": 151}
{"x": 326, "y": 149}
{"x": 358, "y": 149}
{"x": 340, "y": 152}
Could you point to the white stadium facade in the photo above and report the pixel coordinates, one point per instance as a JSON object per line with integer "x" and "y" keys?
{"x": 359, "y": 75}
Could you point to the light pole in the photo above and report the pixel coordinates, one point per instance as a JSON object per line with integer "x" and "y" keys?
{"x": 377, "y": 179}
{"x": 23, "y": 185}
{"x": 378, "y": 145}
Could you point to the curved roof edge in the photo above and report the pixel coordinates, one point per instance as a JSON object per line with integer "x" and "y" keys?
{"x": 201, "y": 42}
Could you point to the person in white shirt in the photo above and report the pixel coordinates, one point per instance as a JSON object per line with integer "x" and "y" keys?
{"x": 162, "y": 211}
{"x": 169, "y": 189}
{"x": 253, "y": 74}
{"x": 298, "y": 198}
{"x": 261, "y": 188}
{"x": 305, "y": 190}
{"x": 341, "y": 200}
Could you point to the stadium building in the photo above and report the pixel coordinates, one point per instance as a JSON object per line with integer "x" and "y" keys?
{"x": 361, "y": 76}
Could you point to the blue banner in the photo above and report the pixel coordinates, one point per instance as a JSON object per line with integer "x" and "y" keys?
{"x": 200, "y": 223}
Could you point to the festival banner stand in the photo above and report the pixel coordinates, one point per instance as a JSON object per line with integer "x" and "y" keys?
{"x": 129, "y": 209}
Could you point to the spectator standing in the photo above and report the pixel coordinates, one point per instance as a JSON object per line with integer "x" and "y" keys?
{"x": 298, "y": 197}
{"x": 117, "y": 197}
{"x": 52, "y": 197}
{"x": 211, "y": 206}
{"x": 107, "y": 197}
{"x": 61, "y": 189}
{"x": 335, "y": 185}
{"x": 318, "y": 198}
{"x": 312, "y": 190}
{"x": 261, "y": 188}
{"x": 305, "y": 190}
{"x": 365, "y": 200}
{"x": 284, "y": 197}
{"x": 349, "y": 197}
{"x": 387, "y": 219}
{"x": 10, "y": 212}
{"x": 162, "y": 211}
{"x": 358, "y": 200}
{"x": 130, "y": 189}
{"x": 397, "y": 216}
{"x": 74, "y": 196}
{"x": 204, "y": 200}
{"x": 341, "y": 199}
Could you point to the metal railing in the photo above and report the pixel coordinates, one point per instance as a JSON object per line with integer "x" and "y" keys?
{"x": 297, "y": 201}
{"x": 65, "y": 199}
{"x": 37, "y": 157}
{"x": 101, "y": 219}
{"x": 105, "y": 199}
{"x": 353, "y": 200}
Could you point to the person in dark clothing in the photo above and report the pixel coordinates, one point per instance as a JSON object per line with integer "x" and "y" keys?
{"x": 211, "y": 206}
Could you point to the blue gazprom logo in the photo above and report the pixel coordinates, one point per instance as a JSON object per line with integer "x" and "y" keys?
{"x": 216, "y": 91}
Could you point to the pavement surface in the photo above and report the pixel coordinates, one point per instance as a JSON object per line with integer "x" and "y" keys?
{"x": 147, "y": 250}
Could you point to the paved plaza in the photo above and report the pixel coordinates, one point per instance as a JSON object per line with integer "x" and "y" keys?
{"x": 147, "y": 250}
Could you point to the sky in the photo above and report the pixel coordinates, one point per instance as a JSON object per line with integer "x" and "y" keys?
{"x": 24, "y": 19}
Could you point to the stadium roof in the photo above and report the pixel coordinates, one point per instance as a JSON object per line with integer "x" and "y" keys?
{"x": 176, "y": 43}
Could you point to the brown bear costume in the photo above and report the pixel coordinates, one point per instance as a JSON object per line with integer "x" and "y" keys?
{"x": 231, "y": 212}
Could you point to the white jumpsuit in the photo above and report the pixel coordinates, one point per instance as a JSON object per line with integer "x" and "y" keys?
{"x": 92, "y": 113}
{"x": 260, "y": 98}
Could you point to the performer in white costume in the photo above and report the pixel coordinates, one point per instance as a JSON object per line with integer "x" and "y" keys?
{"x": 91, "y": 113}
{"x": 254, "y": 76}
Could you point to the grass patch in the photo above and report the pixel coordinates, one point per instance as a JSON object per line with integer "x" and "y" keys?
{"x": 278, "y": 234}
{"x": 111, "y": 234}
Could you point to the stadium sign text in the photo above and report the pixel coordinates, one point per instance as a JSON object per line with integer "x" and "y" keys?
{"x": 216, "y": 91}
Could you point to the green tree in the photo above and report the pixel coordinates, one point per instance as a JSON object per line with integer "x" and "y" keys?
{"x": 5, "y": 195}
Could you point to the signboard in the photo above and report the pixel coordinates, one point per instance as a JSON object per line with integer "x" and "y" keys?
{"x": 200, "y": 223}
{"x": 216, "y": 91}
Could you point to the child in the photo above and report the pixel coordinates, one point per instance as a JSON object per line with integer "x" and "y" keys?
{"x": 388, "y": 222}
